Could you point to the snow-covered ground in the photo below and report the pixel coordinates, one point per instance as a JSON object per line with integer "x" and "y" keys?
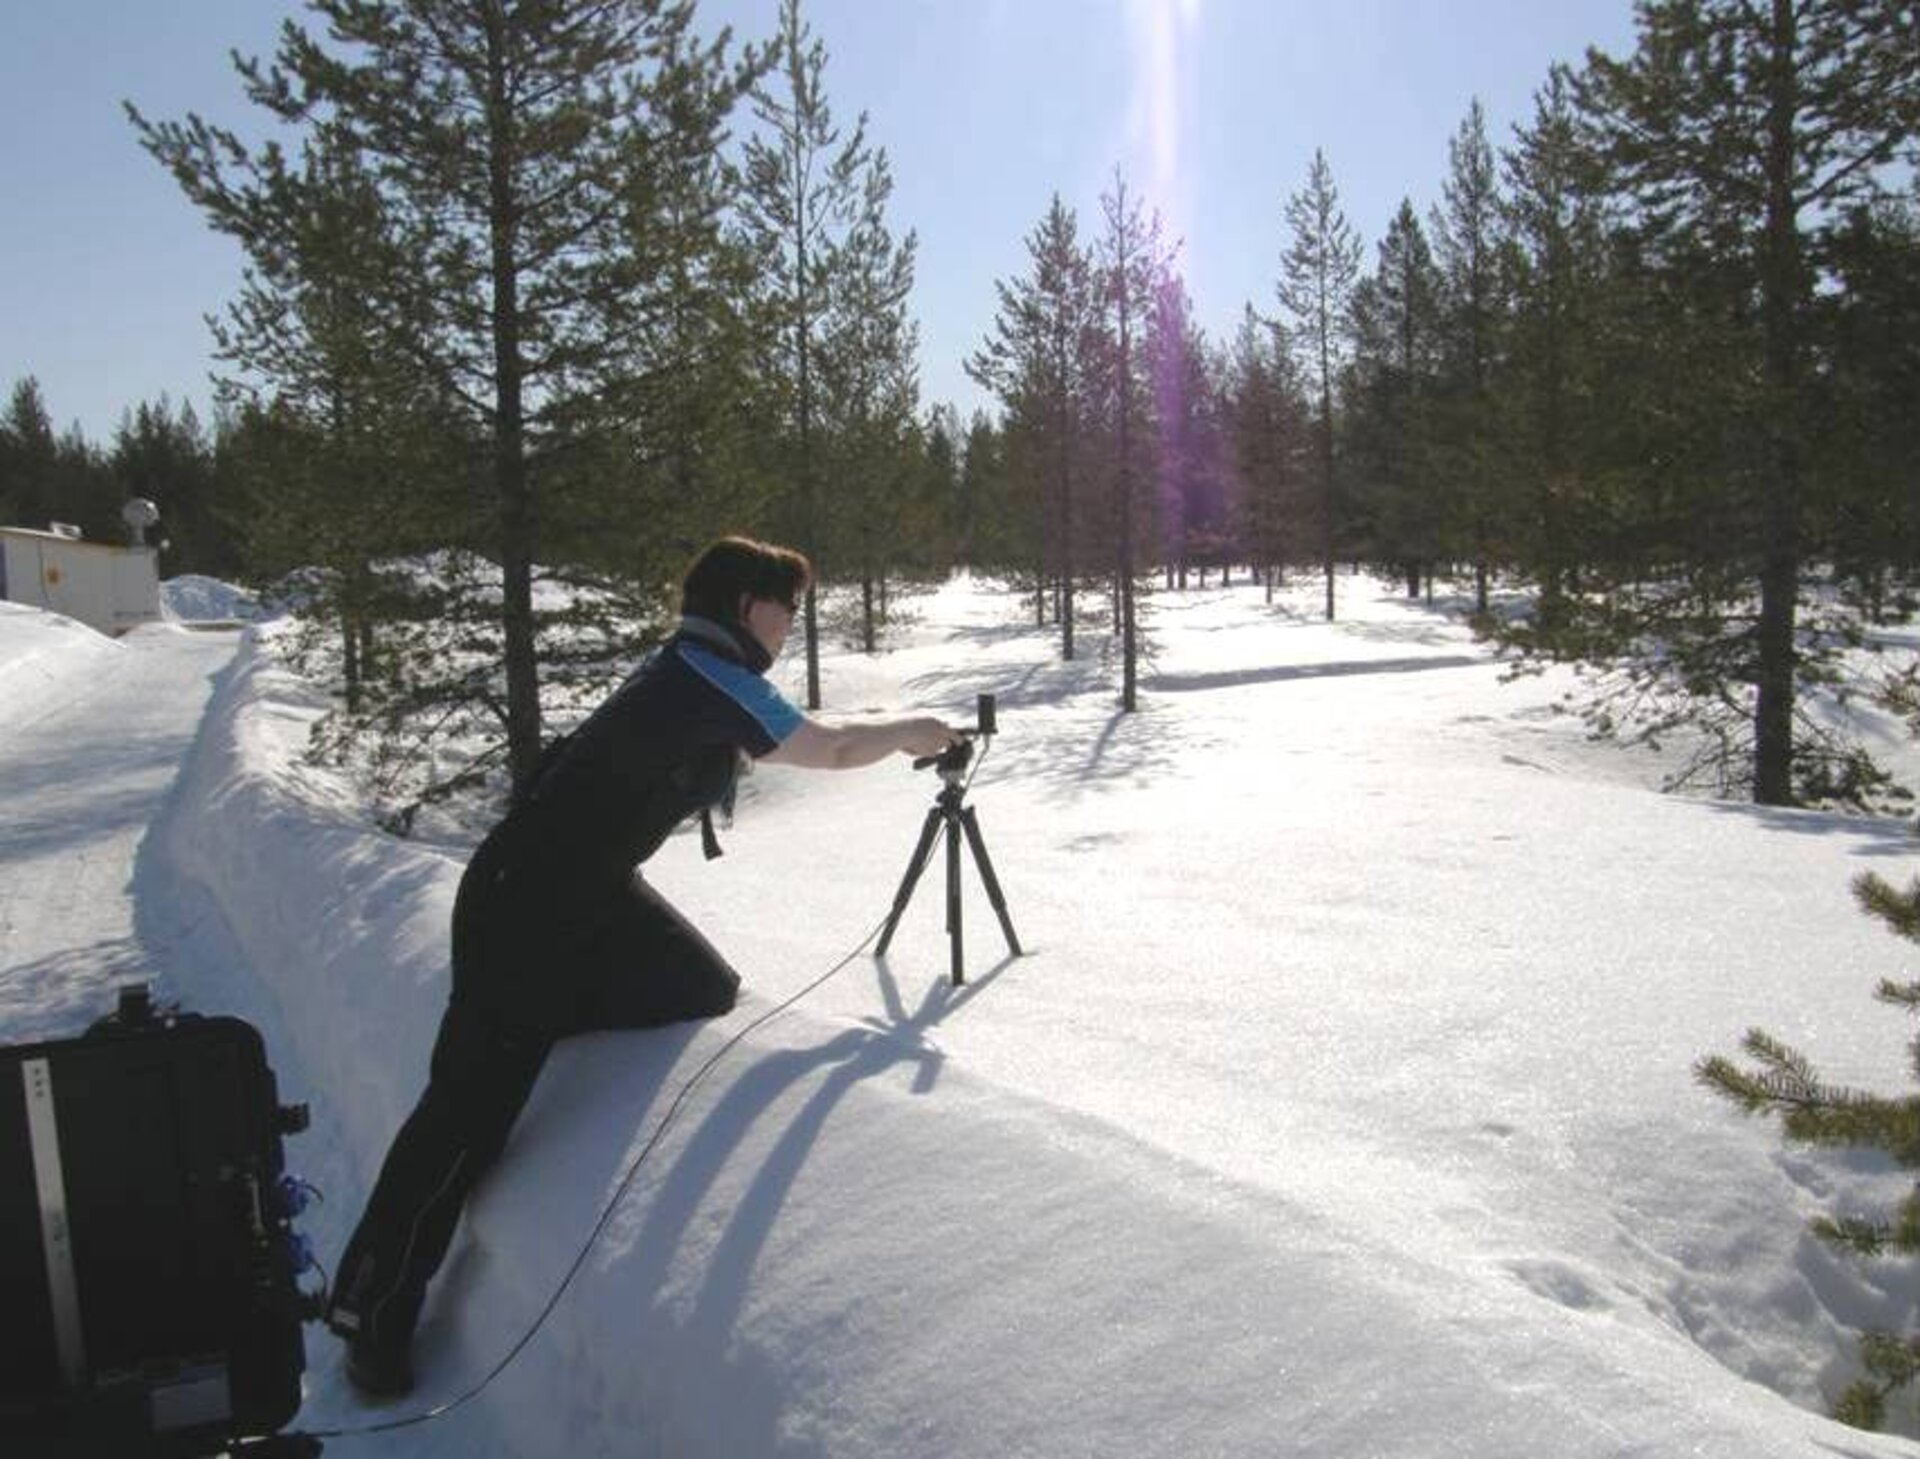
{"x": 93, "y": 731}
{"x": 1341, "y": 1104}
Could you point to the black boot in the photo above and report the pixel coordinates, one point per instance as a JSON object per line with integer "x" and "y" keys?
{"x": 379, "y": 1369}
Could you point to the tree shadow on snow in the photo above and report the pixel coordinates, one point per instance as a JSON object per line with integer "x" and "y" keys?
{"x": 60, "y": 994}
{"x": 1236, "y": 678}
{"x": 1877, "y": 835}
{"x": 1412, "y": 631}
{"x": 1094, "y": 670}
{"x": 758, "y": 1107}
{"x": 96, "y": 788}
{"x": 877, "y": 1047}
{"x": 1061, "y": 726}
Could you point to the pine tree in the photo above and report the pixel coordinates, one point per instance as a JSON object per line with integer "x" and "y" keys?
{"x": 338, "y": 456}
{"x": 1396, "y": 328}
{"x": 924, "y": 501}
{"x": 1036, "y": 361}
{"x": 1781, "y": 1082}
{"x": 806, "y": 187}
{"x": 684, "y": 462}
{"x": 1319, "y": 269}
{"x": 1469, "y": 247}
{"x": 869, "y": 394}
{"x": 1131, "y": 264}
{"x": 508, "y": 145}
{"x": 1191, "y": 491}
{"x": 1553, "y": 210}
{"x": 1269, "y": 424}
{"x": 942, "y": 441}
{"x": 1740, "y": 133}
{"x": 1871, "y": 433}
{"x": 168, "y": 459}
{"x": 28, "y": 459}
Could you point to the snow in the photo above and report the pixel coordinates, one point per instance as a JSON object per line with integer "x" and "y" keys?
{"x": 43, "y": 659}
{"x": 1341, "y": 1104}
{"x": 193, "y": 598}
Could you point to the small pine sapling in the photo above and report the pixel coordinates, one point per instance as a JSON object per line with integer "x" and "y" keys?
{"x": 1815, "y": 1113}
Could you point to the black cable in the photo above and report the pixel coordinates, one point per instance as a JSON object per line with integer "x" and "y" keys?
{"x": 626, "y": 1181}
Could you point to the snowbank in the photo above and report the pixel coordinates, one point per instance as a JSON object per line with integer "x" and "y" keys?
{"x": 193, "y": 598}
{"x": 343, "y": 928}
{"x": 44, "y": 658}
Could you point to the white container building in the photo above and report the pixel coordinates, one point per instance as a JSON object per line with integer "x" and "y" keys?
{"x": 106, "y": 587}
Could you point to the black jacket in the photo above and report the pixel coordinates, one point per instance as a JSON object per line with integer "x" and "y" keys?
{"x": 550, "y": 878}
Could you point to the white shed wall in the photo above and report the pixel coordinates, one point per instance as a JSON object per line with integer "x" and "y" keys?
{"x": 108, "y": 588}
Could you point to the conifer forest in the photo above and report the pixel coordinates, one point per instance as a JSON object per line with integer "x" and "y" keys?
{"x": 549, "y": 292}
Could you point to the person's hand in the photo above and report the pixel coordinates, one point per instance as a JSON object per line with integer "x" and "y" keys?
{"x": 923, "y": 737}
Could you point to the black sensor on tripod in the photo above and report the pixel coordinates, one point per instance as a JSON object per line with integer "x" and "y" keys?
{"x": 985, "y": 724}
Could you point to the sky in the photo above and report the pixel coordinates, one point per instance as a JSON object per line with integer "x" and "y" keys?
{"x": 1211, "y": 109}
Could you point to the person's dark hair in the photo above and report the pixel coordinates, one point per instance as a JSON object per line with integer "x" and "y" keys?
{"x": 737, "y": 567}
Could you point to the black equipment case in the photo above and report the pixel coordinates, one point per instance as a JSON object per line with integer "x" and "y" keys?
{"x": 148, "y": 1266}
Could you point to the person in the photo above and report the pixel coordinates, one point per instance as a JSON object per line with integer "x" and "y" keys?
{"x": 557, "y": 932}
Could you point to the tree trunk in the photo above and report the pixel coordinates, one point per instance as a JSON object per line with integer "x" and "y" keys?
{"x": 1780, "y": 570}
{"x": 350, "y": 658}
{"x": 511, "y": 486}
{"x": 1326, "y": 492}
{"x": 1129, "y": 685}
{"x": 809, "y": 524}
{"x": 1066, "y": 532}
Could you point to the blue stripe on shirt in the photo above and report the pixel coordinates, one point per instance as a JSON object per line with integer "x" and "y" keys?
{"x": 749, "y": 690}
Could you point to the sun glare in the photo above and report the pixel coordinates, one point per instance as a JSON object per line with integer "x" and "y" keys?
{"x": 1159, "y": 29}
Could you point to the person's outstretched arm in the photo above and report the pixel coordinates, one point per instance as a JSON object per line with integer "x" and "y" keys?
{"x": 817, "y": 746}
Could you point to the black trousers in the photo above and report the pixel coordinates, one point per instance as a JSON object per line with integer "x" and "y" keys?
{"x": 644, "y": 966}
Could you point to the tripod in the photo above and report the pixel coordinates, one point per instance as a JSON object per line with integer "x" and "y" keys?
{"x": 950, "y": 813}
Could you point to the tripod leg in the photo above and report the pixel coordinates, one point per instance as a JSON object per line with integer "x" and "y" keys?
{"x": 914, "y": 867}
{"x": 954, "y": 935}
{"x": 985, "y": 865}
